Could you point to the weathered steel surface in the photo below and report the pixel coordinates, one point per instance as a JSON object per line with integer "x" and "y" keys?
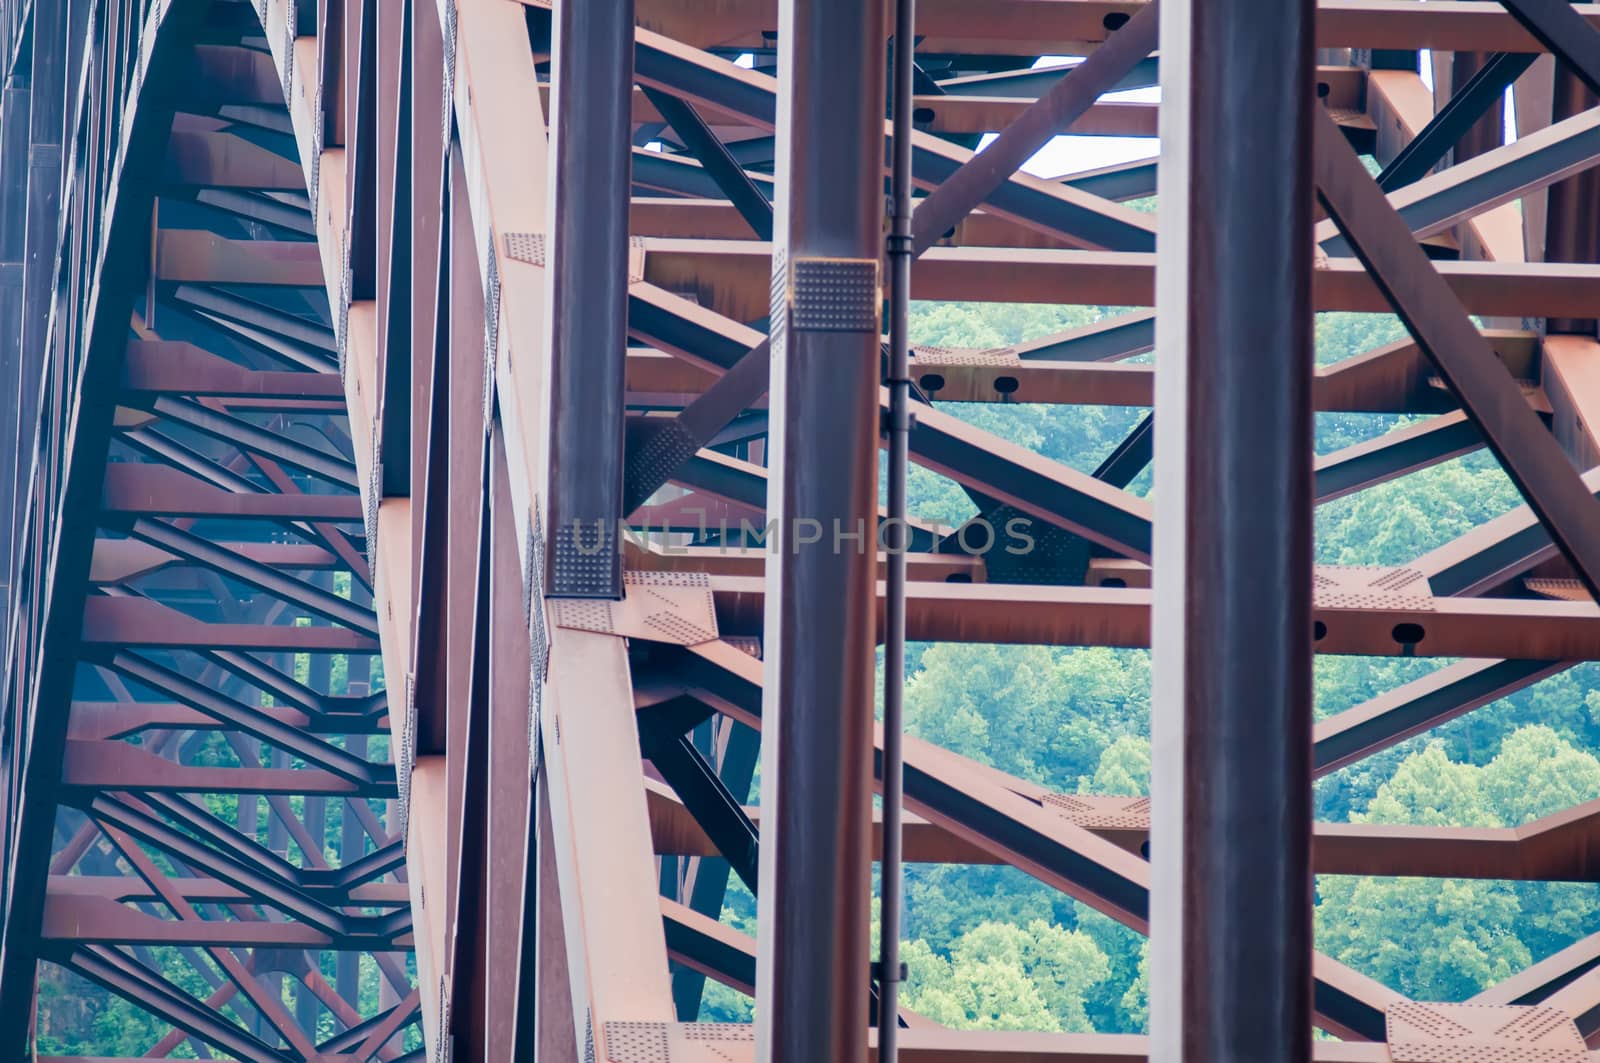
{"x": 340, "y": 342}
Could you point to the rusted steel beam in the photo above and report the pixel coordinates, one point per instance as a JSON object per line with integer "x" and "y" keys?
{"x": 711, "y": 948}
{"x": 733, "y": 269}
{"x": 232, "y": 75}
{"x": 1439, "y": 323}
{"x": 138, "y": 622}
{"x": 1572, "y": 224}
{"x": 1069, "y": 27}
{"x": 291, "y": 589}
{"x": 1569, "y": 32}
{"x": 716, "y": 219}
{"x": 1104, "y": 616}
{"x": 978, "y": 178}
{"x": 120, "y": 766}
{"x": 598, "y": 832}
{"x": 178, "y": 368}
{"x": 455, "y": 658}
{"x": 396, "y": 269}
{"x": 1553, "y": 848}
{"x": 1494, "y": 552}
{"x": 196, "y": 256}
{"x": 1042, "y": 488}
{"x": 126, "y": 890}
{"x": 361, "y": 153}
{"x": 1568, "y": 372}
{"x": 962, "y": 191}
{"x": 1394, "y": 454}
{"x": 952, "y": 113}
{"x": 236, "y": 431}
{"x": 427, "y": 694}
{"x": 218, "y": 159}
{"x": 98, "y": 921}
{"x": 469, "y": 642}
{"x": 1477, "y": 193}
{"x": 1421, "y": 705}
{"x": 1394, "y": 378}
{"x": 114, "y": 970}
{"x": 511, "y": 850}
{"x": 1081, "y": 218}
{"x": 750, "y": 201}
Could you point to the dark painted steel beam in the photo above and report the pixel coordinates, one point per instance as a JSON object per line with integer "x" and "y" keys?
{"x": 982, "y": 175}
{"x": 1396, "y": 454}
{"x": 748, "y": 199}
{"x": 702, "y": 791}
{"x": 1467, "y": 104}
{"x": 589, "y": 144}
{"x": 235, "y": 565}
{"x": 1419, "y": 706}
{"x": 235, "y": 430}
{"x": 398, "y": 294}
{"x": 1231, "y": 622}
{"x": 1563, "y": 32}
{"x": 122, "y": 248}
{"x": 815, "y": 863}
{"x": 754, "y": 97}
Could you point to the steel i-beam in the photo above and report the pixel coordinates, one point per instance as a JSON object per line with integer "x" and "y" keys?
{"x": 1232, "y": 626}
{"x": 813, "y": 909}
{"x": 590, "y": 149}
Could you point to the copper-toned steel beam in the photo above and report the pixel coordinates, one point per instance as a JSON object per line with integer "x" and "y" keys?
{"x": 1421, "y": 705}
{"x": 1072, "y": 96}
{"x": 815, "y": 867}
{"x": 145, "y": 623}
{"x": 177, "y": 368}
{"x": 589, "y": 265}
{"x": 120, "y": 766}
{"x": 197, "y": 256}
{"x": 214, "y": 159}
{"x": 1231, "y": 609}
{"x": 1096, "y": 616}
{"x": 1068, "y": 27}
{"x": 1439, "y": 323}
{"x": 727, "y": 274}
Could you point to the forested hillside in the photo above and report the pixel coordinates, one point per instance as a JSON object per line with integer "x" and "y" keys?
{"x": 992, "y": 948}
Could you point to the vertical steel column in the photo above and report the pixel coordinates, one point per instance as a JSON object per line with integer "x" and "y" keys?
{"x": 1572, "y": 232}
{"x": 812, "y": 980}
{"x": 1488, "y": 132}
{"x": 49, "y": 88}
{"x": 1232, "y": 637}
{"x": 900, "y": 249}
{"x": 14, "y": 138}
{"x": 591, "y": 150}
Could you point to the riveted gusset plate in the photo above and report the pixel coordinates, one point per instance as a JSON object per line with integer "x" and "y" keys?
{"x": 1482, "y": 1033}
{"x": 670, "y": 607}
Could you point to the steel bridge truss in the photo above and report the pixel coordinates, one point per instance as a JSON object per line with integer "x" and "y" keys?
{"x": 349, "y": 330}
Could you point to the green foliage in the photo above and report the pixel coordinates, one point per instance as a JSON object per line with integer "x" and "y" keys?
{"x": 1001, "y": 976}
{"x": 1078, "y": 720}
{"x": 1445, "y": 940}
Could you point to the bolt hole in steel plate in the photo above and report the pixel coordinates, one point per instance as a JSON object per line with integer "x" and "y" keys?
{"x": 1408, "y": 634}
